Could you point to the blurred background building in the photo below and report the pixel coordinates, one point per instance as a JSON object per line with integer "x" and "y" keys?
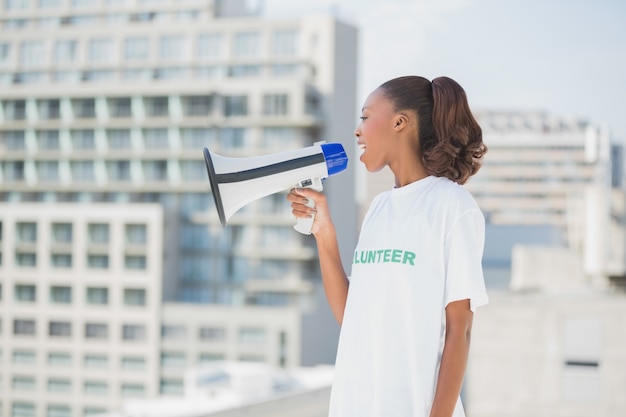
{"x": 115, "y": 273}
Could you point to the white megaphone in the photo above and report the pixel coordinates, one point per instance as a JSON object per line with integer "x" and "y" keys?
{"x": 236, "y": 182}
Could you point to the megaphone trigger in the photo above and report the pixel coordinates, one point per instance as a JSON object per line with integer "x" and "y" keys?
{"x": 305, "y": 224}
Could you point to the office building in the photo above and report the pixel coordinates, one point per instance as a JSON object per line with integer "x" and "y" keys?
{"x": 107, "y": 222}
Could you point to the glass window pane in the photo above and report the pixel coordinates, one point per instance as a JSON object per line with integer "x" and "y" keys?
{"x": 97, "y": 296}
{"x": 64, "y": 52}
{"x": 101, "y": 51}
{"x": 136, "y": 48}
{"x": 32, "y": 53}
{"x": 172, "y": 47}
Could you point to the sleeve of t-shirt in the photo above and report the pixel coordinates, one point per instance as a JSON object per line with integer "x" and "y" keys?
{"x": 463, "y": 259}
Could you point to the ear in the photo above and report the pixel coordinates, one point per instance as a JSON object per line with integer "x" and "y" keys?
{"x": 400, "y": 121}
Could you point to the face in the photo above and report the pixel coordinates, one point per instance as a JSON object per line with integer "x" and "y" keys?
{"x": 375, "y": 130}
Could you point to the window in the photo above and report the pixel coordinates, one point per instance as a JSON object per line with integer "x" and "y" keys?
{"x": 173, "y": 332}
{"x": 61, "y": 260}
{"x": 96, "y": 331}
{"x": 133, "y": 363}
{"x": 26, "y": 232}
{"x": 47, "y": 171}
{"x": 96, "y": 387}
{"x": 23, "y": 327}
{"x": 83, "y": 139}
{"x": 98, "y": 296}
{"x": 118, "y": 139}
{"x": 171, "y": 387}
{"x": 118, "y": 170}
{"x": 48, "y": 140}
{"x": 24, "y": 357}
{"x": 133, "y": 332}
{"x": 136, "y": 234}
{"x": 49, "y": 109}
{"x": 275, "y": 104}
{"x": 197, "y": 138}
{"x": 61, "y": 232}
{"x": 96, "y": 361}
{"x": 93, "y": 411}
{"x": 133, "y": 390}
{"x": 82, "y": 171}
{"x": 59, "y": 359}
{"x": 285, "y": 43}
{"x": 85, "y": 108}
{"x": 32, "y": 53}
{"x": 172, "y": 47}
{"x": 13, "y": 140}
{"x": 25, "y": 293}
{"x": 246, "y": 45}
{"x": 197, "y": 105}
{"x": 155, "y": 139}
{"x": 135, "y": 262}
{"x": 13, "y": 171}
{"x": 157, "y": 106}
{"x": 101, "y": 51}
{"x": 120, "y": 107}
{"x": 5, "y": 49}
{"x": 49, "y": 4}
{"x": 155, "y": 170}
{"x": 59, "y": 385}
{"x": 278, "y": 137}
{"x": 252, "y": 335}
{"x": 59, "y": 411}
{"x": 27, "y": 260}
{"x": 193, "y": 170}
{"x": 211, "y": 357}
{"x": 235, "y": 105}
{"x": 136, "y": 48}
{"x": 232, "y": 137}
{"x": 98, "y": 261}
{"x": 20, "y": 409}
{"x": 244, "y": 70}
{"x": 23, "y": 383}
{"x": 60, "y": 329}
{"x": 61, "y": 295}
{"x": 173, "y": 360}
{"x": 65, "y": 52}
{"x": 134, "y": 297}
{"x": 212, "y": 334}
{"x": 15, "y": 109}
{"x": 98, "y": 233}
{"x": 208, "y": 46}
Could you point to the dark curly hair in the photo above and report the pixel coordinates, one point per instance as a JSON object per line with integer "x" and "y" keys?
{"x": 450, "y": 139}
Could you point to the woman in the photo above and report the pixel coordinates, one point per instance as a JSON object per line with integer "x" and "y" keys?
{"x": 406, "y": 311}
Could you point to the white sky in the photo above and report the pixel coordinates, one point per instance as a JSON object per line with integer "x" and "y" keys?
{"x": 567, "y": 57}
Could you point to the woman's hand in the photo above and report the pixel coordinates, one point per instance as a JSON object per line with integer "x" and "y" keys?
{"x": 299, "y": 197}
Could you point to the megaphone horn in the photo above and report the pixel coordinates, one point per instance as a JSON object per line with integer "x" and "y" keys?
{"x": 236, "y": 182}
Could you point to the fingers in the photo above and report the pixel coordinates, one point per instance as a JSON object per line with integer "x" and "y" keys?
{"x": 299, "y": 199}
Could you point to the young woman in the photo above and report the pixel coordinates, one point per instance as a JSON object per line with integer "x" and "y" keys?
{"x": 406, "y": 311}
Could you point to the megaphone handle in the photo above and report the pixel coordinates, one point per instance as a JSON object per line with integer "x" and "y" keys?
{"x": 304, "y": 224}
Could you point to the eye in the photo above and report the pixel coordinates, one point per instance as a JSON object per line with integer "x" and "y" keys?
{"x": 363, "y": 118}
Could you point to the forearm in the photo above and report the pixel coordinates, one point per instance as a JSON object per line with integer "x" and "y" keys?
{"x": 333, "y": 275}
{"x": 452, "y": 369}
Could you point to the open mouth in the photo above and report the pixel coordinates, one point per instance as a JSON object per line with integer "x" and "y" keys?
{"x": 362, "y": 146}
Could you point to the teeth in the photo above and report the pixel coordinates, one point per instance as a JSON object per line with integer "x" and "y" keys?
{"x": 362, "y": 147}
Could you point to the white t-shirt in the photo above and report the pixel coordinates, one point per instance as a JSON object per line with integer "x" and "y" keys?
{"x": 420, "y": 248}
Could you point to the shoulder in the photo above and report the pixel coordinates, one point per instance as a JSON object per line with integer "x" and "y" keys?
{"x": 454, "y": 195}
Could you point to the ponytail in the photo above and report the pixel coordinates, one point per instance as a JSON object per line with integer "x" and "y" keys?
{"x": 459, "y": 148}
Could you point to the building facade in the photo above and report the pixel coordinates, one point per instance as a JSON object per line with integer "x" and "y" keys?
{"x": 105, "y": 106}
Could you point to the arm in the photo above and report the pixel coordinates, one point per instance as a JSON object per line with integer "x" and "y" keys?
{"x": 333, "y": 275}
{"x": 454, "y": 359}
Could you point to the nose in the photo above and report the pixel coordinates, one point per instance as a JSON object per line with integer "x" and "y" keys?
{"x": 357, "y": 132}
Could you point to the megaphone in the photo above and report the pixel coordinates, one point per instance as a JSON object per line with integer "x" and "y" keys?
{"x": 236, "y": 182}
